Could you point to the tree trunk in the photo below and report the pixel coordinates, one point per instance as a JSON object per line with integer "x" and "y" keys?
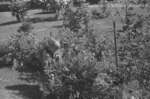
{"x": 18, "y": 17}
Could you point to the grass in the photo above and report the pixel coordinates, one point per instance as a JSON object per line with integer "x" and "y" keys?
{"x": 43, "y": 24}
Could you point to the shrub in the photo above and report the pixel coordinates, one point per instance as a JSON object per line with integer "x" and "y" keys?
{"x": 134, "y": 38}
{"x": 4, "y": 47}
{"x": 98, "y": 14}
{"x": 5, "y": 53}
{"x": 22, "y": 43}
{"x": 49, "y": 5}
{"x": 76, "y": 19}
{"x": 26, "y": 48}
{"x": 93, "y": 1}
{"x": 102, "y": 11}
{"x": 132, "y": 44}
{"x": 19, "y": 9}
{"x": 75, "y": 76}
{"x": 82, "y": 67}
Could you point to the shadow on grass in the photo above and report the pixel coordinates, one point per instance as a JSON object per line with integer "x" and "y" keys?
{"x": 49, "y": 12}
{"x": 38, "y": 20}
{"x": 58, "y": 26}
{"x": 9, "y": 23}
{"x": 26, "y": 91}
{"x": 33, "y": 20}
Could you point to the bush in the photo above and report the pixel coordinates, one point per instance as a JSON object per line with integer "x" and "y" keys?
{"x": 22, "y": 43}
{"x": 102, "y": 11}
{"x": 72, "y": 78}
{"x": 19, "y": 9}
{"x": 26, "y": 48}
{"x": 133, "y": 64}
{"x": 76, "y": 19}
{"x": 5, "y": 53}
{"x": 99, "y": 14}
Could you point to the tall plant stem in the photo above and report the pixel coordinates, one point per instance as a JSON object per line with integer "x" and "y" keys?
{"x": 115, "y": 43}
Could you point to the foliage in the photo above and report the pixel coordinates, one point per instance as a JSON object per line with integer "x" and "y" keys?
{"x": 49, "y": 5}
{"x": 133, "y": 46}
{"x": 5, "y": 53}
{"x": 22, "y": 44}
{"x": 82, "y": 67}
{"x": 4, "y": 47}
{"x": 80, "y": 71}
{"x": 69, "y": 71}
{"x": 76, "y": 19}
{"x": 19, "y": 9}
{"x": 18, "y": 45}
{"x": 99, "y": 14}
{"x": 75, "y": 77}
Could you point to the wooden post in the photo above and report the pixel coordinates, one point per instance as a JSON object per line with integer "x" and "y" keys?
{"x": 115, "y": 43}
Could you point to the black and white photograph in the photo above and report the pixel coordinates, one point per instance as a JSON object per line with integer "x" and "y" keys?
{"x": 74, "y": 49}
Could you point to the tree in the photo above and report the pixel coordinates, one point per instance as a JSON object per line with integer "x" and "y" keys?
{"x": 19, "y": 9}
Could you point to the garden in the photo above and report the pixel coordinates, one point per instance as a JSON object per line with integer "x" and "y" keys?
{"x": 75, "y": 49}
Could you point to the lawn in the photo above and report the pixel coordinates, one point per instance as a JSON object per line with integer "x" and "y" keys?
{"x": 43, "y": 24}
